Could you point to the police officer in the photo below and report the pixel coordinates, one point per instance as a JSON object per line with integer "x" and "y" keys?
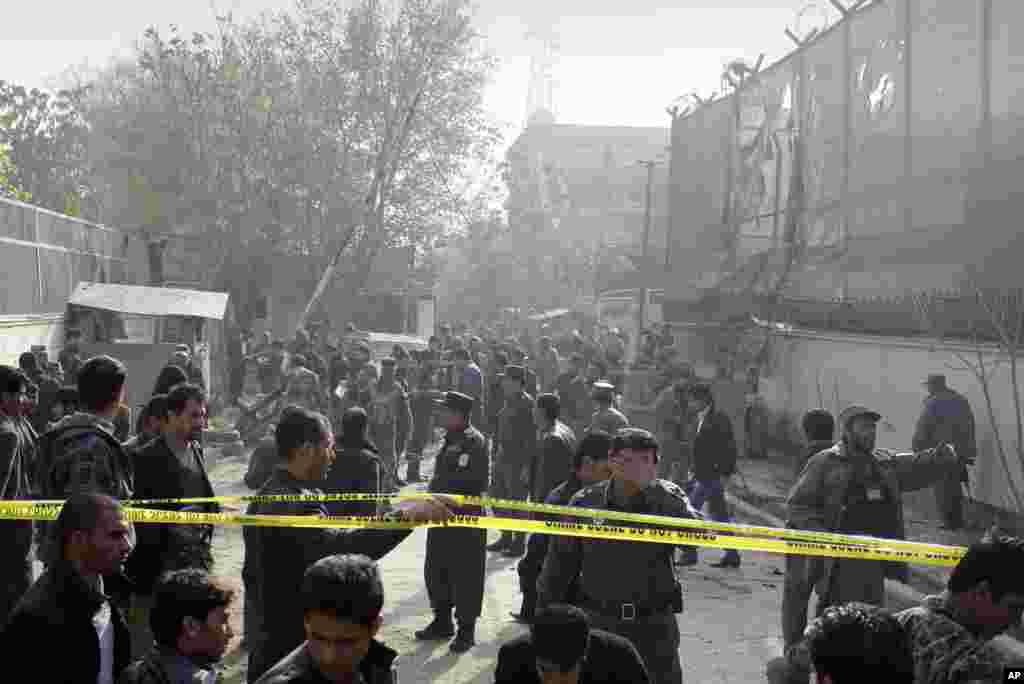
{"x": 516, "y": 443}
{"x": 629, "y": 588}
{"x": 456, "y": 559}
{"x": 606, "y": 418}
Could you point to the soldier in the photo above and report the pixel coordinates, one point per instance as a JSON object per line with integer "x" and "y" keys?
{"x": 390, "y": 420}
{"x": 606, "y": 418}
{"x": 516, "y": 442}
{"x": 495, "y": 393}
{"x": 303, "y": 387}
{"x": 639, "y": 603}
{"x": 422, "y": 398}
{"x": 668, "y": 411}
{"x": 849, "y": 488}
{"x": 571, "y": 389}
{"x": 590, "y": 465}
{"x": 456, "y": 560}
{"x": 556, "y": 444}
{"x": 517, "y": 355}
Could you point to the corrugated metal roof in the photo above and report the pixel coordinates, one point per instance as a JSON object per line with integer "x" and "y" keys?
{"x": 151, "y": 301}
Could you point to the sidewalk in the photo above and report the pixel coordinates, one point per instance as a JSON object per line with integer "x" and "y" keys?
{"x": 760, "y": 489}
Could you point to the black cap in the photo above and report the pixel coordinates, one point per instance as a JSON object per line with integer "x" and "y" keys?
{"x": 457, "y": 401}
{"x": 634, "y": 438}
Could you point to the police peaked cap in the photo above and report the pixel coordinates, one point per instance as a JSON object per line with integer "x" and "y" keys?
{"x": 457, "y": 401}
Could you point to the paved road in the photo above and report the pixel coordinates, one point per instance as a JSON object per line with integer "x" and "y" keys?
{"x": 730, "y": 625}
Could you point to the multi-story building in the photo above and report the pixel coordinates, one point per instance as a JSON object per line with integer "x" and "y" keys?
{"x": 578, "y": 193}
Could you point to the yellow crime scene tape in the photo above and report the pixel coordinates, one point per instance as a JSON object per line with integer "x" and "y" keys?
{"x": 657, "y": 529}
{"x": 574, "y": 511}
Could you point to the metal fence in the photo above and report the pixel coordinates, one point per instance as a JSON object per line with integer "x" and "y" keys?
{"x": 897, "y": 122}
{"x": 44, "y": 255}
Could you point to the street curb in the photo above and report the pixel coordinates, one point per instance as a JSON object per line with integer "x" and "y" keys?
{"x": 898, "y": 596}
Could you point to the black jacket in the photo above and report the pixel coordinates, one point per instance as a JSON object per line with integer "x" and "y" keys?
{"x": 378, "y": 667}
{"x": 714, "y": 447}
{"x": 160, "y": 546}
{"x": 277, "y": 557}
{"x": 611, "y": 659}
{"x": 356, "y": 470}
{"x": 58, "y": 611}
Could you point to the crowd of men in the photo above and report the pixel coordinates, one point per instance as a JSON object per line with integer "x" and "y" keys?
{"x": 140, "y": 604}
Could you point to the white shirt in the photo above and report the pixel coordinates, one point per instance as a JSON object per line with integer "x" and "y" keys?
{"x": 104, "y": 625}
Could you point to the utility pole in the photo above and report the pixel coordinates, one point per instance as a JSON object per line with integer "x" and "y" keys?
{"x": 645, "y": 250}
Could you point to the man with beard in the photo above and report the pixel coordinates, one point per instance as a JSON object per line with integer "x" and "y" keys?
{"x": 849, "y": 488}
{"x": 390, "y": 420}
{"x": 67, "y": 606}
{"x": 276, "y": 558}
{"x": 170, "y": 467}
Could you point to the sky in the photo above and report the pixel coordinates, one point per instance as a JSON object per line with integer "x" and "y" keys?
{"x": 619, "y": 63}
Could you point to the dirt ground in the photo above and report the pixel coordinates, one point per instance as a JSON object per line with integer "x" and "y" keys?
{"x": 729, "y": 628}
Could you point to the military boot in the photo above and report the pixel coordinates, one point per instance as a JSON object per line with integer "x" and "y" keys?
{"x": 465, "y": 639}
{"x": 439, "y": 629}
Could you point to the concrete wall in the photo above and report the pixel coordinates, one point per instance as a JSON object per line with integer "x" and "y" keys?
{"x": 886, "y": 374}
{"x": 903, "y": 126}
{"x": 43, "y": 257}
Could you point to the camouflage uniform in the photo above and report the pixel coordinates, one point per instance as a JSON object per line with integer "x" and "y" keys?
{"x": 817, "y": 502}
{"x": 944, "y": 650}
